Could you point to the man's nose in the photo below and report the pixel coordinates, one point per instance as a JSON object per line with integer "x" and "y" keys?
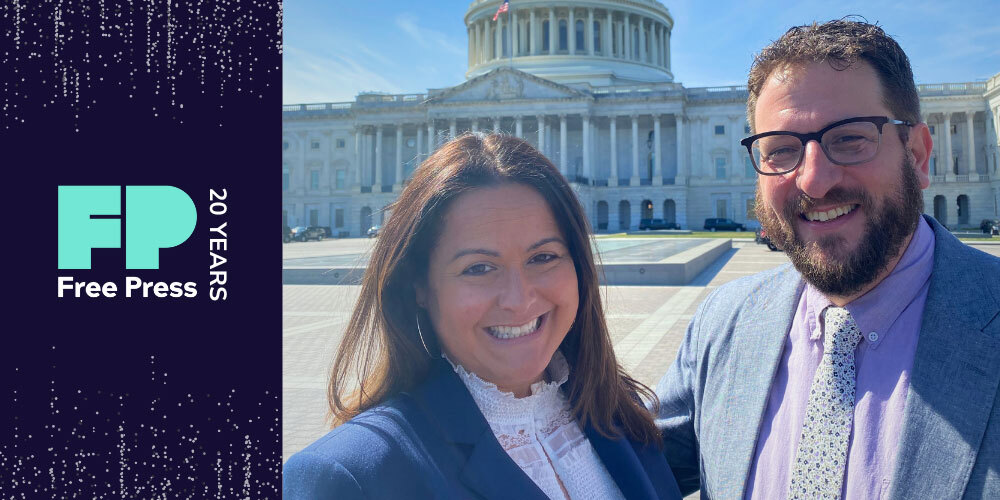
{"x": 518, "y": 291}
{"x": 817, "y": 174}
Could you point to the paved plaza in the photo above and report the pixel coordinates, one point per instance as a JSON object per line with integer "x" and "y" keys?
{"x": 647, "y": 325}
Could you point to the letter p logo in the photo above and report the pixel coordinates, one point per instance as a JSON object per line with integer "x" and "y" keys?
{"x": 155, "y": 217}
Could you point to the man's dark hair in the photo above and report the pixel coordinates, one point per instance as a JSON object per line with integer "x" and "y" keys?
{"x": 841, "y": 43}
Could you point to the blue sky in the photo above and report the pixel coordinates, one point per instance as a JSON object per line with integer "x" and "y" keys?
{"x": 335, "y": 49}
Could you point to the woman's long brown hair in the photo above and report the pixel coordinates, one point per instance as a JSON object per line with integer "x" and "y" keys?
{"x": 381, "y": 353}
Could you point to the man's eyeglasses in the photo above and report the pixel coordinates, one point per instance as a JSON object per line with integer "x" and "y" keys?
{"x": 846, "y": 142}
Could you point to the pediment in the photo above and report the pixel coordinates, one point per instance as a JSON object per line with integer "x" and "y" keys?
{"x": 504, "y": 84}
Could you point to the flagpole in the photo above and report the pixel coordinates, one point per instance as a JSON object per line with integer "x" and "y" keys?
{"x": 510, "y": 28}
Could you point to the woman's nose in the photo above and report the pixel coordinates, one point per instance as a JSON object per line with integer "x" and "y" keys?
{"x": 518, "y": 291}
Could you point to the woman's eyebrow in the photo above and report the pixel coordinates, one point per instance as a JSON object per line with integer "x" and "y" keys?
{"x": 546, "y": 240}
{"x": 476, "y": 251}
{"x": 494, "y": 253}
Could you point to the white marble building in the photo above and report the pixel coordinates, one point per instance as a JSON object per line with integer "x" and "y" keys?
{"x": 596, "y": 94}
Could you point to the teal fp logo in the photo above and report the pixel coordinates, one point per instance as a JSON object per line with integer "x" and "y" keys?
{"x": 157, "y": 217}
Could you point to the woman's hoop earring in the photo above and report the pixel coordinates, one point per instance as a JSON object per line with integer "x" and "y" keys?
{"x": 422, "y": 341}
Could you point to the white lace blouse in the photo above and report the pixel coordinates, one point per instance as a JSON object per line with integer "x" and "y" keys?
{"x": 540, "y": 435}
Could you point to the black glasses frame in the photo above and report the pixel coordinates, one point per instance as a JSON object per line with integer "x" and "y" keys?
{"x": 817, "y": 136}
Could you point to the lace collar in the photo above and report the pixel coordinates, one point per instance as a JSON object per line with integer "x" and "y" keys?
{"x": 500, "y": 406}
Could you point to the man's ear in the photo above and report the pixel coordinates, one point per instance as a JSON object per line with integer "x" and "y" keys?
{"x": 920, "y": 146}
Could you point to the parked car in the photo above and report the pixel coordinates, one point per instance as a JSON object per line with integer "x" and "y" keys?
{"x": 645, "y": 224}
{"x": 373, "y": 231}
{"x": 723, "y": 225}
{"x": 760, "y": 236}
{"x": 303, "y": 233}
{"x": 990, "y": 226}
{"x": 286, "y": 234}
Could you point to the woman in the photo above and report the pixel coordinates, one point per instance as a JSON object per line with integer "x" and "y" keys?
{"x": 477, "y": 362}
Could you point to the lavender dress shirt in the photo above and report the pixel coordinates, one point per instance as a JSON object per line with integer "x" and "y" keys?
{"x": 889, "y": 317}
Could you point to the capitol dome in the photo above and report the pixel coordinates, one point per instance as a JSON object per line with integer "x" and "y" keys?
{"x": 599, "y": 42}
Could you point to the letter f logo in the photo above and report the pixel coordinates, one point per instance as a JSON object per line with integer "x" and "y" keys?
{"x": 158, "y": 217}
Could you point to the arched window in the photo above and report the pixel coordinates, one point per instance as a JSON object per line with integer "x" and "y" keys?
{"x": 545, "y": 36}
{"x": 563, "y": 39}
{"x": 597, "y": 37}
{"x": 580, "y": 39}
{"x": 941, "y": 209}
{"x": 602, "y": 215}
{"x": 624, "y": 215}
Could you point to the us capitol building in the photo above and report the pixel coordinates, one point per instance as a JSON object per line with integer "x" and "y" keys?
{"x": 589, "y": 82}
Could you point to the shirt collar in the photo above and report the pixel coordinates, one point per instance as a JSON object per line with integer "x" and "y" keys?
{"x": 878, "y": 309}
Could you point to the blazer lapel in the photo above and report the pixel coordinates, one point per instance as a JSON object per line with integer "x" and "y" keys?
{"x": 487, "y": 469}
{"x": 956, "y": 371}
{"x": 741, "y": 390}
{"x": 623, "y": 464}
{"x": 490, "y": 472}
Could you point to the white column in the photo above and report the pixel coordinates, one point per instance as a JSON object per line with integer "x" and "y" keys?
{"x": 496, "y": 124}
{"x": 548, "y": 140}
{"x": 476, "y": 48}
{"x": 475, "y": 125}
{"x": 378, "y": 159}
{"x": 533, "y": 44}
{"x": 499, "y": 37}
{"x": 606, "y": 39}
{"x": 356, "y": 171}
{"x": 553, "y": 28}
{"x": 654, "y": 43}
{"x": 613, "y": 176}
{"x": 368, "y": 167}
{"x": 562, "y": 146}
{"x": 586, "y": 148}
{"x": 484, "y": 33}
{"x": 541, "y": 133}
{"x": 666, "y": 48}
{"x": 948, "y": 158}
{"x": 970, "y": 142}
{"x": 634, "y": 181}
{"x": 642, "y": 39}
{"x": 431, "y": 139}
{"x": 515, "y": 47}
{"x": 657, "y": 153}
{"x": 420, "y": 143}
{"x": 735, "y": 129}
{"x": 628, "y": 39}
{"x": 681, "y": 177}
{"x": 398, "y": 179}
{"x": 571, "y": 31}
{"x": 452, "y": 129}
{"x": 588, "y": 31}
{"x": 519, "y": 126}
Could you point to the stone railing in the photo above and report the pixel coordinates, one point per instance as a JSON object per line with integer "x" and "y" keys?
{"x": 390, "y": 99}
{"x": 942, "y": 89}
{"x": 333, "y": 107}
{"x": 636, "y": 91}
{"x": 706, "y": 93}
{"x": 993, "y": 83}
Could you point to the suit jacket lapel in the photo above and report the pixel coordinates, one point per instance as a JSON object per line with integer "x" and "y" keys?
{"x": 956, "y": 371}
{"x": 487, "y": 469}
{"x": 740, "y": 394}
{"x": 624, "y": 465}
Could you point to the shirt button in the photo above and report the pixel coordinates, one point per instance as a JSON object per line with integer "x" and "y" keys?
{"x": 872, "y": 337}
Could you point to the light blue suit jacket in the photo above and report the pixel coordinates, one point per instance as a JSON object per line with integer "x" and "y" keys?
{"x": 713, "y": 397}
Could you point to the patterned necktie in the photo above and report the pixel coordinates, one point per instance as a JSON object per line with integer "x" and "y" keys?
{"x": 821, "y": 460}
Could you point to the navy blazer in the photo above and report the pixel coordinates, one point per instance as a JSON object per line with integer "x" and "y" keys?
{"x": 433, "y": 442}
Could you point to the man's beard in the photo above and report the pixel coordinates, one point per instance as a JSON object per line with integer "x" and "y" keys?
{"x": 833, "y": 272}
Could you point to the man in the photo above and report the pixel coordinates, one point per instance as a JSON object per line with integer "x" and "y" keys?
{"x": 870, "y": 369}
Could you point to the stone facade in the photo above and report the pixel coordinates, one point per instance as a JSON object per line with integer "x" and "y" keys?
{"x": 603, "y": 106}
